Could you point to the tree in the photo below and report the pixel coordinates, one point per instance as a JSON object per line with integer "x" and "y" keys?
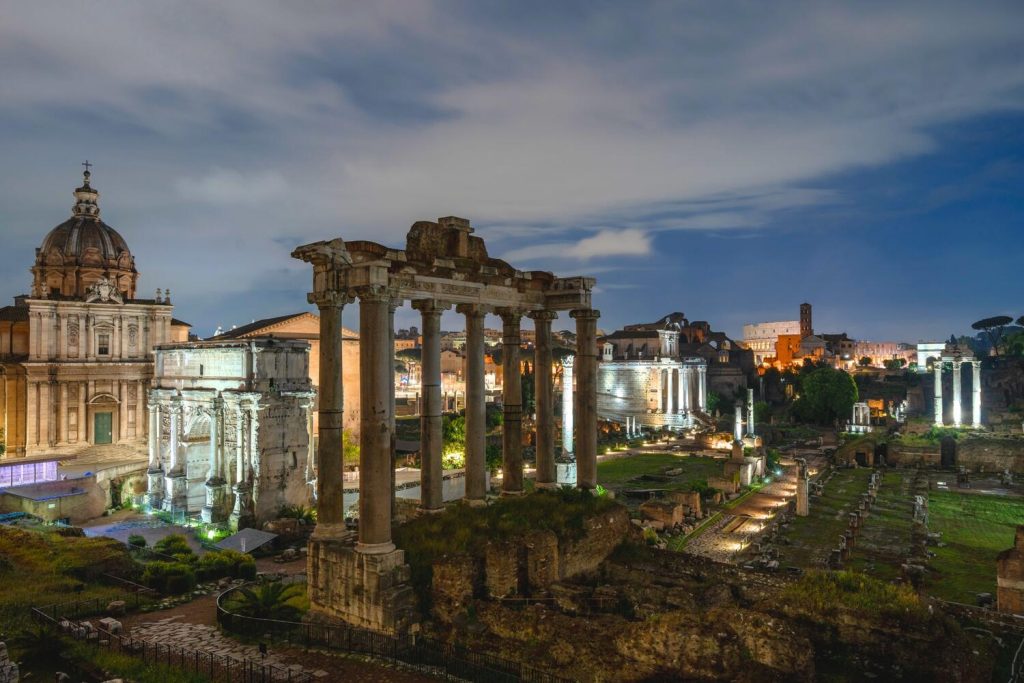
{"x": 826, "y": 395}
{"x": 453, "y": 434}
{"x": 993, "y": 328}
{"x": 527, "y": 383}
{"x": 895, "y": 363}
{"x": 349, "y": 449}
{"x": 273, "y": 600}
{"x": 864, "y": 362}
{"x": 713, "y": 400}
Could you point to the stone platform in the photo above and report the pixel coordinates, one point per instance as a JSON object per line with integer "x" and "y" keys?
{"x": 362, "y": 589}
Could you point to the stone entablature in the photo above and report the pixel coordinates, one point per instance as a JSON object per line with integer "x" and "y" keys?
{"x": 230, "y": 429}
{"x": 443, "y": 265}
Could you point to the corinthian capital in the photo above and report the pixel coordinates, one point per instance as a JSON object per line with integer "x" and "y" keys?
{"x": 329, "y": 299}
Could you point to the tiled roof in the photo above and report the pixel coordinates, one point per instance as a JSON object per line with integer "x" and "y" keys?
{"x": 15, "y": 313}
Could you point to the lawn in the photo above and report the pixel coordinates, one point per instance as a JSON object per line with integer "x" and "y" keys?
{"x": 885, "y": 537}
{"x": 618, "y": 473}
{"x": 975, "y": 528}
{"x": 811, "y": 538}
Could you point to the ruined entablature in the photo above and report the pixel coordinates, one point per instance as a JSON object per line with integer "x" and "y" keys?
{"x": 441, "y": 260}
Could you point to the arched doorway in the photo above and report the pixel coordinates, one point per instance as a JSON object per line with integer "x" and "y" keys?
{"x": 102, "y": 425}
{"x": 948, "y": 452}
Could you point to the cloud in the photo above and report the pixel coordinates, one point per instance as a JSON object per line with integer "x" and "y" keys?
{"x": 589, "y": 130}
{"x": 630, "y": 242}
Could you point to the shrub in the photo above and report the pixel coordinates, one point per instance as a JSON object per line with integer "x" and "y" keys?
{"x": 137, "y": 541}
{"x": 173, "y": 544}
{"x": 169, "y": 577}
{"x": 273, "y": 600}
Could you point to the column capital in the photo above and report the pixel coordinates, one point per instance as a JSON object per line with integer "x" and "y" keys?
{"x": 474, "y": 310}
{"x": 431, "y": 306}
{"x": 510, "y": 315}
{"x": 329, "y": 299}
{"x": 374, "y": 294}
{"x": 542, "y": 315}
{"x": 585, "y": 314}
{"x": 567, "y": 361}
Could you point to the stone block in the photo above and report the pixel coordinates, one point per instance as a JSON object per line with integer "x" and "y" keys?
{"x": 690, "y": 500}
{"x": 501, "y": 569}
{"x": 455, "y": 581}
{"x": 116, "y": 607}
{"x": 542, "y": 568}
{"x": 666, "y": 512}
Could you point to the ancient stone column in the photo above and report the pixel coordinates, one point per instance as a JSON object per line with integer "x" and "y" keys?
{"x": 431, "y": 435}
{"x": 750, "y": 412}
{"x": 512, "y": 402}
{"x": 684, "y": 389}
{"x": 567, "y": 406}
{"x": 80, "y": 424}
{"x": 63, "y": 436}
{"x": 330, "y": 484}
{"x": 702, "y": 388}
{"x": 957, "y": 390}
{"x": 154, "y": 435}
{"x": 938, "y": 392}
{"x": 375, "y": 371}
{"x": 155, "y": 473}
{"x": 670, "y": 392}
{"x": 586, "y": 396}
{"x": 214, "y": 483}
{"x": 737, "y": 431}
{"x": 976, "y": 394}
{"x": 545, "y": 399}
{"x": 175, "y": 409}
{"x": 392, "y": 307}
{"x": 476, "y": 406}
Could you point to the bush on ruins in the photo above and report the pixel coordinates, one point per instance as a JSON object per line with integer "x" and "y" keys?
{"x": 169, "y": 577}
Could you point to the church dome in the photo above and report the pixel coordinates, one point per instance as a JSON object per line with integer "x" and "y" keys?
{"x": 82, "y": 251}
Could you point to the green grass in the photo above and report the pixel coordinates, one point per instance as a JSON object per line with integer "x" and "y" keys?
{"x": 617, "y": 473}
{"x": 975, "y": 528}
{"x": 813, "y": 536}
{"x": 827, "y": 593}
{"x": 885, "y": 537}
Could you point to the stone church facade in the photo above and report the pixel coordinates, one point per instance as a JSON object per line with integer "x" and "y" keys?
{"x": 76, "y": 353}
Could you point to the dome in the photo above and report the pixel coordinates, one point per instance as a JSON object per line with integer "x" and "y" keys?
{"x": 81, "y": 251}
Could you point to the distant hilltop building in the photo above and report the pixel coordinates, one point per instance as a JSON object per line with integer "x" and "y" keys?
{"x": 785, "y": 343}
{"x": 76, "y": 355}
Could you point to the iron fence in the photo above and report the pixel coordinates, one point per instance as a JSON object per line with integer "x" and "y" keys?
{"x": 443, "y": 659}
{"x": 218, "y": 668}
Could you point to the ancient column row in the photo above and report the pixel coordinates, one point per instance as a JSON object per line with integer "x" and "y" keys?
{"x": 957, "y": 393}
{"x": 376, "y": 488}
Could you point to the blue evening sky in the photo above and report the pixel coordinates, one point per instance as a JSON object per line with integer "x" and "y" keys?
{"x": 726, "y": 159}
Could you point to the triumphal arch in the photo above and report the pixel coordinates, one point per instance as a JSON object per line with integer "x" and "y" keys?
{"x": 362, "y": 580}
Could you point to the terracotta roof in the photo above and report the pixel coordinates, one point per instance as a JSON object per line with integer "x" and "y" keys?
{"x": 175, "y": 321}
{"x": 15, "y": 313}
{"x": 259, "y": 326}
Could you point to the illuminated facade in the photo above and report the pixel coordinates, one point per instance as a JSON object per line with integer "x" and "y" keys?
{"x": 76, "y": 354}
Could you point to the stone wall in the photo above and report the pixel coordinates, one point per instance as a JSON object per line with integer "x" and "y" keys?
{"x": 991, "y": 454}
{"x": 1010, "y": 577}
{"x": 77, "y": 499}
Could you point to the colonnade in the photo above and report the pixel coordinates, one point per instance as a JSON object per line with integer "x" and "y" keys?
{"x": 957, "y": 363}
{"x": 377, "y": 409}
{"x": 676, "y": 384}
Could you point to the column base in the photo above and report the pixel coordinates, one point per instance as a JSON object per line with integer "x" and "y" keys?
{"x": 546, "y": 485}
{"x": 376, "y": 548}
{"x": 155, "y": 489}
{"x": 430, "y": 511}
{"x": 512, "y": 494}
{"x": 176, "y": 498}
{"x": 476, "y": 502}
{"x": 242, "y": 516}
{"x": 368, "y": 590}
{"x": 331, "y": 532}
{"x": 215, "y": 511}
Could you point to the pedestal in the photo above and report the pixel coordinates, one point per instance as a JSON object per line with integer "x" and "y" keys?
{"x": 241, "y": 515}
{"x": 565, "y": 471}
{"x": 216, "y": 496}
{"x": 366, "y": 590}
{"x": 155, "y": 489}
{"x": 176, "y": 487}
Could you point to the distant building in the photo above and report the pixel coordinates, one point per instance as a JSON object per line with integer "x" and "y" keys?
{"x": 305, "y": 327}
{"x": 761, "y": 338}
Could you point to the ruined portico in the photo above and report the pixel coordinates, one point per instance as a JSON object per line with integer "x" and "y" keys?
{"x": 956, "y": 357}
{"x": 362, "y": 580}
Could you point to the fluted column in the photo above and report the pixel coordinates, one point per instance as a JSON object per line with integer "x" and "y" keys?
{"x": 512, "y": 402}
{"x": 568, "y": 405}
{"x": 330, "y": 485}
{"x": 64, "y": 410}
{"x": 392, "y": 307}
{"x": 683, "y": 400}
{"x": 154, "y": 436}
{"x": 976, "y": 394}
{"x": 376, "y": 369}
{"x": 545, "y": 399}
{"x": 702, "y": 387}
{"x": 586, "y": 396}
{"x": 738, "y": 425}
{"x": 212, "y": 470}
{"x": 957, "y": 390}
{"x": 750, "y": 413}
{"x": 431, "y": 434}
{"x": 476, "y": 407}
{"x": 175, "y": 409}
{"x": 670, "y": 391}
{"x": 938, "y": 392}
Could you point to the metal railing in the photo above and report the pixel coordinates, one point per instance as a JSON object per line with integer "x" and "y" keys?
{"x": 66, "y": 618}
{"x": 444, "y": 659}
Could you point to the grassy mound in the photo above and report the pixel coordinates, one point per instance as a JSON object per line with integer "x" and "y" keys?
{"x": 826, "y": 594}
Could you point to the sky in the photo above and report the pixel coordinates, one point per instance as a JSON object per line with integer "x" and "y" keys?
{"x": 725, "y": 159}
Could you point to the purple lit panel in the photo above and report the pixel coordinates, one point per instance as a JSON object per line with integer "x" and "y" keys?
{"x": 30, "y": 473}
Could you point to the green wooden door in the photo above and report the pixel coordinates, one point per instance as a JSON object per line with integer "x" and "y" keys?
{"x": 102, "y": 428}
